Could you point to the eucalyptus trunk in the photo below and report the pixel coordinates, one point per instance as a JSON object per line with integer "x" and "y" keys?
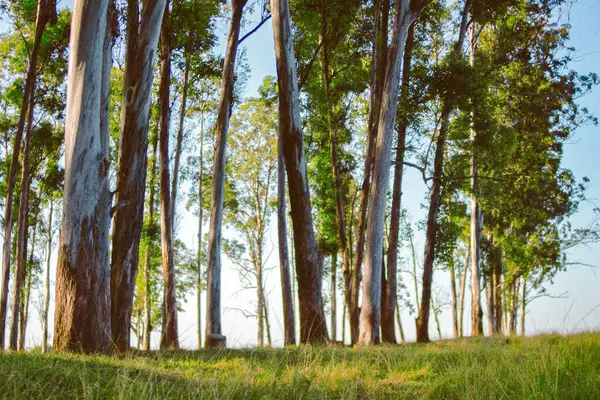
{"x": 141, "y": 42}
{"x": 169, "y": 339}
{"x": 82, "y": 317}
{"x": 287, "y": 292}
{"x": 370, "y": 313}
{"x": 463, "y": 289}
{"x": 455, "y": 330}
{"x": 313, "y": 326}
{"x": 214, "y": 330}
{"x": 388, "y": 331}
{"x": 200, "y": 222}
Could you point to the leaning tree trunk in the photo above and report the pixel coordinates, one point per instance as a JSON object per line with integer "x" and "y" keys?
{"x": 370, "y": 313}
{"x": 169, "y": 339}
{"x": 451, "y": 267}
{"x": 46, "y": 12}
{"x": 313, "y": 326}
{"x": 47, "y": 283}
{"x": 142, "y": 39}
{"x": 214, "y": 331}
{"x": 388, "y": 331}
{"x": 148, "y": 267}
{"x": 284, "y": 261}
{"x": 24, "y": 309}
{"x": 82, "y": 316}
{"x": 22, "y": 229}
{"x": 435, "y": 197}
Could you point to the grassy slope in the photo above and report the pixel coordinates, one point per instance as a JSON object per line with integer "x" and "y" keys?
{"x": 547, "y": 367}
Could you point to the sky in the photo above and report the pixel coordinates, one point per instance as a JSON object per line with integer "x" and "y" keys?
{"x": 578, "y": 307}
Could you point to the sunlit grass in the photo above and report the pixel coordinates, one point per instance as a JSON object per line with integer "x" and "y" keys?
{"x": 546, "y": 367}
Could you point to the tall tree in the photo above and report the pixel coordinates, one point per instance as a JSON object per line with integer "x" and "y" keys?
{"x": 82, "y": 316}
{"x": 370, "y": 313}
{"x": 46, "y": 13}
{"x": 214, "y": 332}
{"x": 169, "y": 337}
{"x": 142, "y": 35}
{"x": 313, "y": 326}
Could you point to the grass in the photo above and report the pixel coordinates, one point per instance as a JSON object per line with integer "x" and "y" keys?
{"x": 545, "y": 367}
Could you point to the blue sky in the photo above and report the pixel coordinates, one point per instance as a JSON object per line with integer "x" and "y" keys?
{"x": 579, "y": 310}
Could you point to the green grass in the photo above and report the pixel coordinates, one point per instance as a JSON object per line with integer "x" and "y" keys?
{"x": 545, "y": 367}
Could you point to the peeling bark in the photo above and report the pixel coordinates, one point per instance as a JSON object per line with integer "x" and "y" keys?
{"x": 82, "y": 316}
{"x": 142, "y": 39}
{"x": 313, "y": 326}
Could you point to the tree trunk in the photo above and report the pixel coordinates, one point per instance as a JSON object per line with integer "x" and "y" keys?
{"x": 523, "y": 305}
{"x": 453, "y": 296}
{"x": 370, "y": 313}
{"x": 514, "y": 305}
{"x": 476, "y": 311}
{"x": 333, "y": 296}
{"x": 148, "y": 267}
{"x": 498, "y": 294}
{"x": 437, "y": 319}
{"x": 169, "y": 339}
{"x": 142, "y": 40}
{"x": 388, "y": 331}
{"x": 287, "y": 292}
{"x": 463, "y": 287}
{"x": 414, "y": 262}
{"x": 82, "y": 317}
{"x": 489, "y": 291}
{"x": 435, "y": 198}
{"x": 213, "y": 293}
{"x": 313, "y": 326}
{"x": 260, "y": 306}
{"x": 399, "y": 320}
{"x": 267, "y": 324}
{"x": 47, "y": 282}
{"x": 22, "y": 228}
{"x": 200, "y": 221}
{"x": 46, "y": 9}
{"x": 24, "y": 310}
{"x": 179, "y": 144}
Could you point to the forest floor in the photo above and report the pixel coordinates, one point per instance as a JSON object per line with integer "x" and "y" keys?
{"x": 544, "y": 367}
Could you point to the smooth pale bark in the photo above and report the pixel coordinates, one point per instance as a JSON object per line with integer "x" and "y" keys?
{"x": 47, "y": 281}
{"x": 284, "y": 261}
{"x": 169, "y": 338}
{"x": 370, "y": 313}
{"x": 498, "y": 293}
{"x": 82, "y": 316}
{"x": 377, "y": 70}
{"x": 260, "y": 308}
{"x": 453, "y": 296}
{"x": 200, "y": 222}
{"x": 388, "y": 308}
{"x": 46, "y": 13}
{"x": 22, "y": 229}
{"x": 414, "y": 265}
{"x": 213, "y": 290}
{"x": 514, "y": 305}
{"x": 463, "y": 287}
{"x": 148, "y": 267}
{"x": 435, "y": 197}
{"x": 24, "y": 309}
{"x": 489, "y": 291}
{"x": 476, "y": 225}
{"x": 313, "y": 326}
{"x": 179, "y": 143}
{"x": 142, "y": 40}
{"x": 267, "y": 324}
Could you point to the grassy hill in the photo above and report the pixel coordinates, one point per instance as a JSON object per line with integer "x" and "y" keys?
{"x": 545, "y": 367}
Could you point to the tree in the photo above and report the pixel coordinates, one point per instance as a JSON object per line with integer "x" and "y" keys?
{"x": 142, "y": 38}
{"x": 370, "y": 313}
{"x": 82, "y": 316}
{"x": 46, "y": 13}
{"x": 214, "y": 331}
{"x": 313, "y": 327}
